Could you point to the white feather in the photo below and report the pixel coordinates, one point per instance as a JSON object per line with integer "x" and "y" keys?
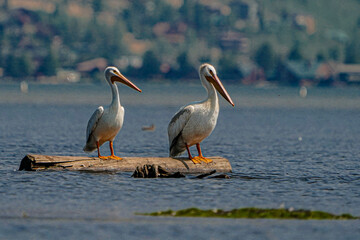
{"x": 178, "y": 123}
{"x": 196, "y": 121}
{"x": 93, "y": 122}
{"x": 105, "y": 123}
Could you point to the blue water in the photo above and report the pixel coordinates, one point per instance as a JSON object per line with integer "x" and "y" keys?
{"x": 285, "y": 151}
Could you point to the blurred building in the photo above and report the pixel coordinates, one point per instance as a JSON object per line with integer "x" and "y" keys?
{"x": 304, "y": 72}
{"x": 348, "y": 73}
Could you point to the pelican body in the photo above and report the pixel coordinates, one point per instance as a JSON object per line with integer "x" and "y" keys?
{"x": 196, "y": 121}
{"x": 105, "y": 123}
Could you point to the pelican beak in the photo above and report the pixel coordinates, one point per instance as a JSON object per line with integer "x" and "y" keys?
{"x": 219, "y": 87}
{"x": 120, "y": 78}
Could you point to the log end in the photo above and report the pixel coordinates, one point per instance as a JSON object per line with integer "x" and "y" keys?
{"x": 26, "y": 163}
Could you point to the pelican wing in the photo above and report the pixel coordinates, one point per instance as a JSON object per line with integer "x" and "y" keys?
{"x": 176, "y": 126}
{"x": 93, "y": 122}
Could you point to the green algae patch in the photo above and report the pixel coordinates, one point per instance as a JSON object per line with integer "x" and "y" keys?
{"x": 253, "y": 213}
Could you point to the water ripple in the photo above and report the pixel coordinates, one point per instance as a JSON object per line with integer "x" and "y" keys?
{"x": 271, "y": 168}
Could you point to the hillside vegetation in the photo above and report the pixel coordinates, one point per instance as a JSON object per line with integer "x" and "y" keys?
{"x": 170, "y": 38}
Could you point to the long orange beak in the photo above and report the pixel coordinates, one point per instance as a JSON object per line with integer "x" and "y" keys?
{"x": 219, "y": 87}
{"x": 120, "y": 78}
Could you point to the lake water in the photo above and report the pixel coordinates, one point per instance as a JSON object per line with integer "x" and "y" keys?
{"x": 285, "y": 150}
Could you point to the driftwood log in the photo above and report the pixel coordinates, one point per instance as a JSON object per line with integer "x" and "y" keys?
{"x": 154, "y": 171}
{"x": 34, "y": 162}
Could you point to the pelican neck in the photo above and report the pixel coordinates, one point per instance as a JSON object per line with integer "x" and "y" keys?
{"x": 115, "y": 96}
{"x": 211, "y": 92}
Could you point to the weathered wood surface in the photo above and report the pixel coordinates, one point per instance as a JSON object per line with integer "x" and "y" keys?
{"x": 33, "y": 162}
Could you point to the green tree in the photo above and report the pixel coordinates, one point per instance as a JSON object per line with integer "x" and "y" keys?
{"x": 49, "y": 65}
{"x": 334, "y": 53}
{"x": 12, "y": 66}
{"x": 320, "y": 57}
{"x": 111, "y": 43}
{"x": 352, "y": 51}
{"x": 25, "y": 65}
{"x": 295, "y": 53}
{"x": 187, "y": 10}
{"x": 18, "y": 66}
{"x": 6, "y": 5}
{"x": 183, "y": 62}
{"x": 97, "y": 6}
{"x": 261, "y": 17}
{"x": 151, "y": 64}
{"x": 350, "y": 54}
{"x": 265, "y": 57}
{"x": 201, "y": 19}
{"x": 228, "y": 68}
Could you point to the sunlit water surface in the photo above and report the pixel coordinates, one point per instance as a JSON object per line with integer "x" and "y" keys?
{"x": 285, "y": 150}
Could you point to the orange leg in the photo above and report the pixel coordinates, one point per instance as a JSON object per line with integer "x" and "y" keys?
{"x": 112, "y": 152}
{"x": 201, "y": 157}
{"x": 112, "y": 156}
{"x": 199, "y": 149}
{"x": 188, "y": 150}
{"x": 195, "y": 161}
{"x": 98, "y": 149}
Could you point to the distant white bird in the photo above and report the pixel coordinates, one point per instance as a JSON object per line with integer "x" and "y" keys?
{"x": 105, "y": 123}
{"x": 195, "y": 121}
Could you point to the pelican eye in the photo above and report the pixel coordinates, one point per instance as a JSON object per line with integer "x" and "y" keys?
{"x": 212, "y": 73}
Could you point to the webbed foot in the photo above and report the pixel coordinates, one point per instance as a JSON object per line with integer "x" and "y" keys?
{"x": 110, "y": 157}
{"x": 115, "y": 157}
{"x": 199, "y": 159}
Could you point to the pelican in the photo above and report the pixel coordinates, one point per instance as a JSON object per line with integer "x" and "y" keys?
{"x": 195, "y": 121}
{"x": 105, "y": 123}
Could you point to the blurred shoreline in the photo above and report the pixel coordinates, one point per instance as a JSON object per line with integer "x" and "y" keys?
{"x": 177, "y": 94}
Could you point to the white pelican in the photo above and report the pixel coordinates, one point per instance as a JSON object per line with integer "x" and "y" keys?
{"x": 195, "y": 121}
{"x": 105, "y": 123}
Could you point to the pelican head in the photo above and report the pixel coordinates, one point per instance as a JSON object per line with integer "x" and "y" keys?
{"x": 112, "y": 75}
{"x": 208, "y": 71}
